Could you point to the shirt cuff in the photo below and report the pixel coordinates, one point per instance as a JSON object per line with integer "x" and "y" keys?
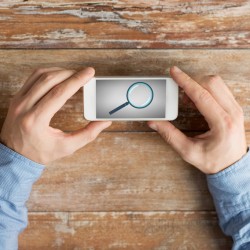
{"x": 230, "y": 187}
{"x": 17, "y": 175}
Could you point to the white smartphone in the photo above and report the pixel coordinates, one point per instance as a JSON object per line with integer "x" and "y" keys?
{"x": 130, "y": 98}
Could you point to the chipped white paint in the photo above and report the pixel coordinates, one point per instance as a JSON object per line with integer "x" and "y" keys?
{"x": 151, "y": 24}
{"x": 64, "y": 229}
{"x": 82, "y": 223}
{"x": 61, "y": 226}
{"x": 5, "y": 18}
{"x": 48, "y": 38}
{"x": 190, "y": 42}
{"x": 120, "y": 244}
{"x": 52, "y": 35}
{"x": 59, "y": 241}
{"x": 163, "y": 5}
{"x": 28, "y": 7}
{"x": 161, "y": 36}
{"x": 134, "y": 230}
{"x": 53, "y": 3}
{"x": 119, "y": 140}
{"x": 63, "y": 216}
{"x": 129, "y": 192}
{"x": 235, "y": 10}
{"x": 65, "y": 33}
{"x": 80, "y": 39}
{"x": 100, "y": 16}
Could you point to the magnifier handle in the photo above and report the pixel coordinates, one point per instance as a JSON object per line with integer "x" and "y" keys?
{"x": 118, "y": 108}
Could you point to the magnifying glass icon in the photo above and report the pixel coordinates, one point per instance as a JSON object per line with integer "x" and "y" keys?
{"x": 139, "y": 95}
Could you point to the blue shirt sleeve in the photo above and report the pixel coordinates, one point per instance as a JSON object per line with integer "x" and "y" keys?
{"x": 230, "y": 189}
{"x": 17, "y": 175}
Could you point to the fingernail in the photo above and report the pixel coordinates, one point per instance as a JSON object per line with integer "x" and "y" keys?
{"x": 176, "y": 69}
{"x": 152, "y": 125}
{"x": 90, "y": 70}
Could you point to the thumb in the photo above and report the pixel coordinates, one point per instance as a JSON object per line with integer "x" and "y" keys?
{"x": 173, "y": 136}
{"x": 79, "y": 138}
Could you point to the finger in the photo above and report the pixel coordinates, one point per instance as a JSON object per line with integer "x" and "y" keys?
{"x": 188, "y": 102}
{"x": 57, "y": 96}
{"x": 77, "y": 139}
{"x": 173, "y": 136}
{"x": 221, "y": 93}
{"x": 44, "y": 84}
{"x": 34, "y": 77}
{"x": 202, "y": 99}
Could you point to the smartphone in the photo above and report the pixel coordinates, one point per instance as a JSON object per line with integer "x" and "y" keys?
{"x": 130, "y": 98}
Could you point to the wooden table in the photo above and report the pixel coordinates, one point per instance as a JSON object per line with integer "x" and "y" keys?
{"x": 128, "y": 189}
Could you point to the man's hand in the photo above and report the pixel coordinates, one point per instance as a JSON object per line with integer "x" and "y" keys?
{"x": 26, "y": 129}
{"x": 225, "y": 142}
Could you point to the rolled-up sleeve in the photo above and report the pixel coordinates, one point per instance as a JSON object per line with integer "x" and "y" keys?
{"x": 230, "y": 189}
{"x": 17, "y": 175}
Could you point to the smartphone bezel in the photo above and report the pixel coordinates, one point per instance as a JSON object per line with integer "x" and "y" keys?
{"x": 89, "y": 97}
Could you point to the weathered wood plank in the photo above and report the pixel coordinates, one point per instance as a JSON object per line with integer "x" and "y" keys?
{"x": 124, "y": 24}
{"x": 120, "y": 172}
{"x": 126, "y": 230}
{"x": 232, "y": 65}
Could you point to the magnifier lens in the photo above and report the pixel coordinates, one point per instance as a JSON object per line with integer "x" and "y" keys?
{"x": 140, "y": 95}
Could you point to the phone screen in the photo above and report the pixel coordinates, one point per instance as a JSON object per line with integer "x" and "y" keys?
{"x": 137, "y": 98}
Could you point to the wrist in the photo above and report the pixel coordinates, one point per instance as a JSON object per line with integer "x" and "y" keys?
{"x": 12, "y": 151}
{"x": 227, "y": 167}
{"x": 17, "y": 174}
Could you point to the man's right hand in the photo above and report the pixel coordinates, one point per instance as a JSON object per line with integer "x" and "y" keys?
{"x": 225, "y": 142}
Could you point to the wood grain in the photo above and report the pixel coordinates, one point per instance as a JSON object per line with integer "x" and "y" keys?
{"x": 232, "y": 65}
{"x": 126, "y": 230}
{"x": 122, "y": 172}
{"x": 128, "y": 189}
{"x": 125, "y": 24}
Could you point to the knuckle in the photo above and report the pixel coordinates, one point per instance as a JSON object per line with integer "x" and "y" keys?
{"x": 16, "y": 106}
{"x": 77, "y": 77}
{"x": 16, "y": 109}
{"x": 228, "y": 122}
{"x": 203, "y": 96}
{"x": 47, "y": 77}
{"x": 39, "y": 71}
{"x": 56, "y": 92}
{"x": 213, "y": 79}
{"x": 211, "y": 83}
{"x": 57, "y": 68}
{"x": 71, "y": 71}
{"x": 27, "y": 122}
{"x": 188, "y": 153}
